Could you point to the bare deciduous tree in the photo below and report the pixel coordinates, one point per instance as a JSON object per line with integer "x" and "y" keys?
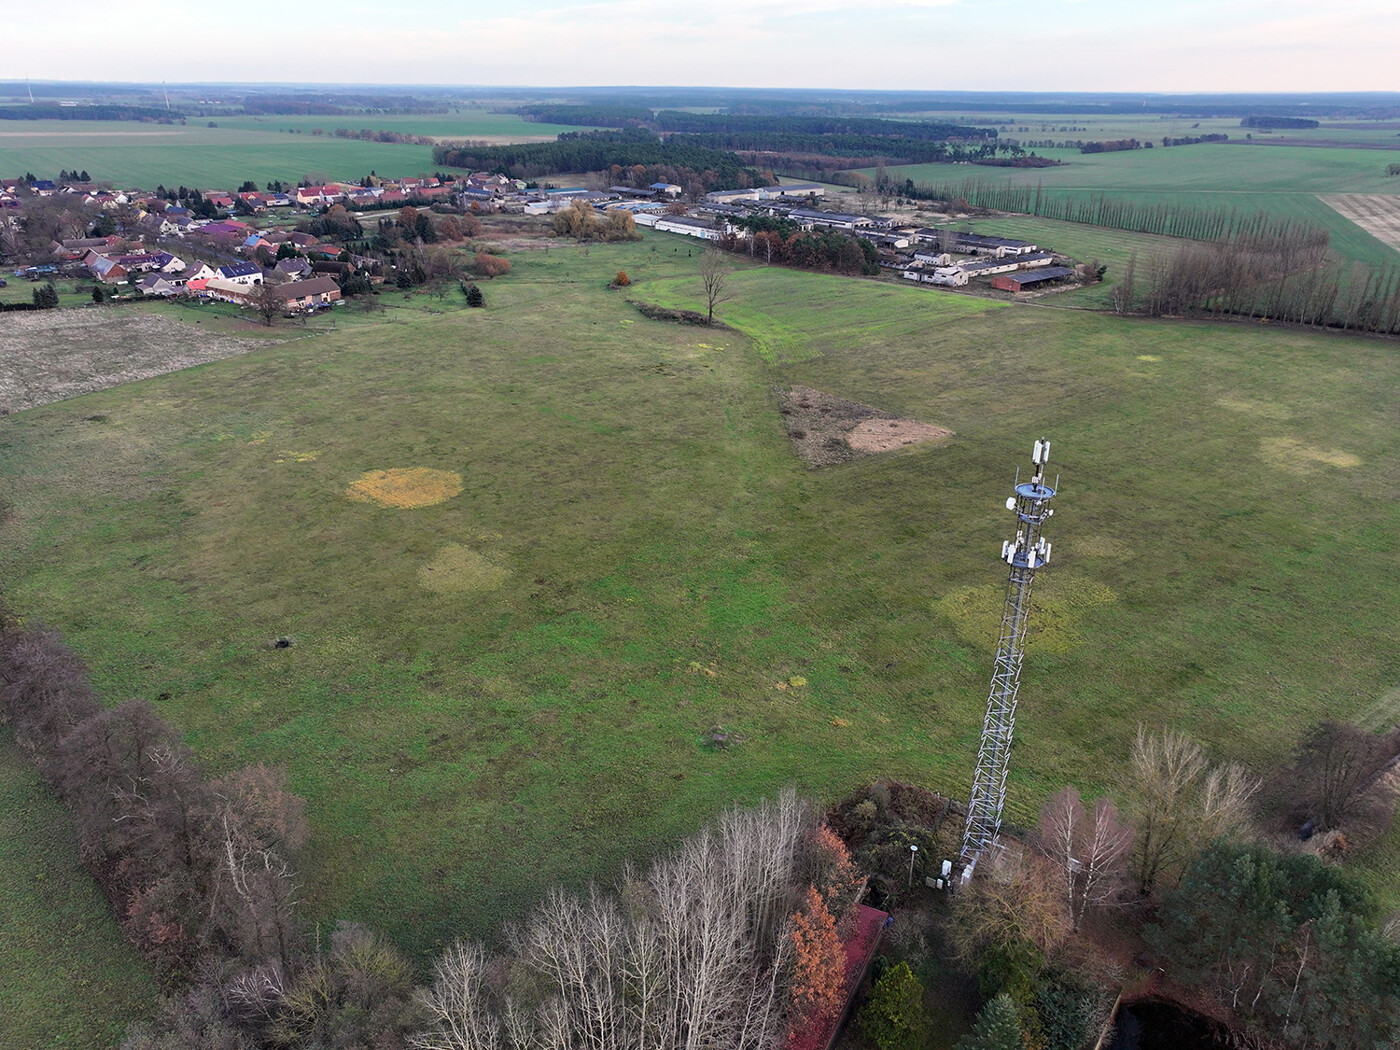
{"x": 714, "y": 278}
{"x": 693, "y": 956}
{"x": 1183, "y": 803}
{"x": 1089, "y": 850}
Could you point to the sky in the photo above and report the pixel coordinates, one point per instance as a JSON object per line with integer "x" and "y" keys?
{"x": 976, "y": 45}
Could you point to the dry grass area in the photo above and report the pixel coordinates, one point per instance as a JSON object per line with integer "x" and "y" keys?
{"x": 1376, "y": 213}
{"x": 826, "y": 430}
{"x": 50, "y": 355}
{"x": 405, "y": 487}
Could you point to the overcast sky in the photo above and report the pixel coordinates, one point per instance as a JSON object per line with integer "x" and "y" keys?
{"x": 1028, "y": 45}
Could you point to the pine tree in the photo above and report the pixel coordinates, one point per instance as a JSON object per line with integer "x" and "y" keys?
{"x": 474, "y": 295}
{"x": 998, "y": 1027}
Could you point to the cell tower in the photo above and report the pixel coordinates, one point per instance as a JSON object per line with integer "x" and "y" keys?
{"x": 1026, "y": 553}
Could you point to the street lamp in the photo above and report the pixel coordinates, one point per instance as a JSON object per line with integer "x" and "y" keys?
{"x": 913, "y": 851}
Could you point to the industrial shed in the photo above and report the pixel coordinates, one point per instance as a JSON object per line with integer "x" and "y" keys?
{"x": 1019, "y": 282}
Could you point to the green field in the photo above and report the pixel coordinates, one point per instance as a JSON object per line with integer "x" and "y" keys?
{"x": 70, "y": 980}
{"x": 640, "y": 557}
{"x": 131, "y": 155}
{"x": 1282, "y": 181}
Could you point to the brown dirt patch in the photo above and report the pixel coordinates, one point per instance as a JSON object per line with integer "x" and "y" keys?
{"x": 405, "y": 487}
{"x": 826, "y": 430}
{"x": 1376, "y": 213}
{"x": 50, "y": 355}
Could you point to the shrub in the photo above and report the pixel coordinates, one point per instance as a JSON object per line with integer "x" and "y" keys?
{"x": 491, "y": 266}
{"x": 621, "y": 280}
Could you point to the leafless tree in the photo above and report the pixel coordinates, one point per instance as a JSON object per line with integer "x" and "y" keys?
{"x": 267, "y": 300}
{"x": 715, "y": 272}
{"x": 1183, "y": 803}
{"x": 1334, "y": 766}
{"x": 457, "y": 1003}
{"x": 1088, "y": 849}
{"x": 692, "y": 956}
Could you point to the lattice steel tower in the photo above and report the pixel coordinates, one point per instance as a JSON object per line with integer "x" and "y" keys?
{"x": 1026, "y": 553}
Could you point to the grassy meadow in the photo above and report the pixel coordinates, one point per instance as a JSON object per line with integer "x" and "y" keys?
{"x": 513, "y": 687}
{"x": 70, "y": 979}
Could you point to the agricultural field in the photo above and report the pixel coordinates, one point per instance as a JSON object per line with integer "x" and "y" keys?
{"x": 530, "y": 556}
{"x": 243, "y": 147}
{"x": 1284, "y": 182}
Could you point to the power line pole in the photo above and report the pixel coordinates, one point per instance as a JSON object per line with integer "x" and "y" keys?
{"x": 1026, "y": 553}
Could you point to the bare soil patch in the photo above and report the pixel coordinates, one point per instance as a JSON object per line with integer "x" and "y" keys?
{"x": 826, "y": 430}
{"x": 50, "y": 355}
{"x": 1376, "y": 213}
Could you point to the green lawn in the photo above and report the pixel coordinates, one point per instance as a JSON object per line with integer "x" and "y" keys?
{"x": 650, "y": 560}
{"x": 70, "y": 979}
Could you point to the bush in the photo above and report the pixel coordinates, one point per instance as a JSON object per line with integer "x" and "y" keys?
{"x": 491, "y": 266}
{"x": 474, "y": 295}
{"x": 621, "y": 280}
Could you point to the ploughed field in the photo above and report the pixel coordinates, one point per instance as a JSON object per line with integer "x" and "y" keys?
{"x": 529, "y": 557}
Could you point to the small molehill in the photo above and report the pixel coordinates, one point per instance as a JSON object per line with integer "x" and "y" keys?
{"x": 406, "y": 487}
{"x": 826, "y": 430}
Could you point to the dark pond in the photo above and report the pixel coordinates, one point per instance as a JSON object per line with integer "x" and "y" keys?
{"x": 1153, "y": 1025}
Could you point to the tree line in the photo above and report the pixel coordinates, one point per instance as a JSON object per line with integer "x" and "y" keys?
{"x": 600, "y": 151}
{"x": 1285, "y": 276}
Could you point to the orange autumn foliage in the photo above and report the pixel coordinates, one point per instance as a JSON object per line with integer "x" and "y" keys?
{"x": 819, "y": 961}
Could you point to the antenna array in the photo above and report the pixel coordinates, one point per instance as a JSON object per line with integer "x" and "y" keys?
{"x": 1024, "y": 554}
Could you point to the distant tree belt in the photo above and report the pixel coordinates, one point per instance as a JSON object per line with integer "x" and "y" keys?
{"x": 588, "y": 116}
{"x": 737, "y": 124}
{"x": 895, "y": 149}
{"x": 53, "y": 111}
{"x": 1256, "y": 121}
{"x": 597, "y": 151}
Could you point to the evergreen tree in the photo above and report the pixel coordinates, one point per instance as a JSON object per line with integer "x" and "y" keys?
{"x": 474, "y": 295}
{"x": 998, "y": 1027}
{"x": 97, "y": 293}
{"x": 893, "y": 1017}
{"x": 46, "y": 296}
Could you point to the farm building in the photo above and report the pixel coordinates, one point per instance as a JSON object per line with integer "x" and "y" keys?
{"x": 997, "y": 247}
{"x": 933, "y": 257}
{"x": 688, "y": 226}
{"x": 806, "y": 218}
{"x": 947, "y": 276}
{"x": 1019, "y": 282}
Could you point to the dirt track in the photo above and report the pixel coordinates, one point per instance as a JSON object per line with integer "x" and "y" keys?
{"x": 1376, "y": 213}
{"x": 49, "y": 355}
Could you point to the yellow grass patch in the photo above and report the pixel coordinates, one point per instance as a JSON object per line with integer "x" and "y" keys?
{"x": 405, "y": 487}
{"x": 1101, "y": 547}
{"x": 1297, "y": 458}
{"x": 299, "y": 457}
{"x": 1148, "y": 357}
{"x": 1262, "y": 409}
{"x": 1058, "y": 604}
{"x": 457, "y": 569}
{"x": 707, "y": 346}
